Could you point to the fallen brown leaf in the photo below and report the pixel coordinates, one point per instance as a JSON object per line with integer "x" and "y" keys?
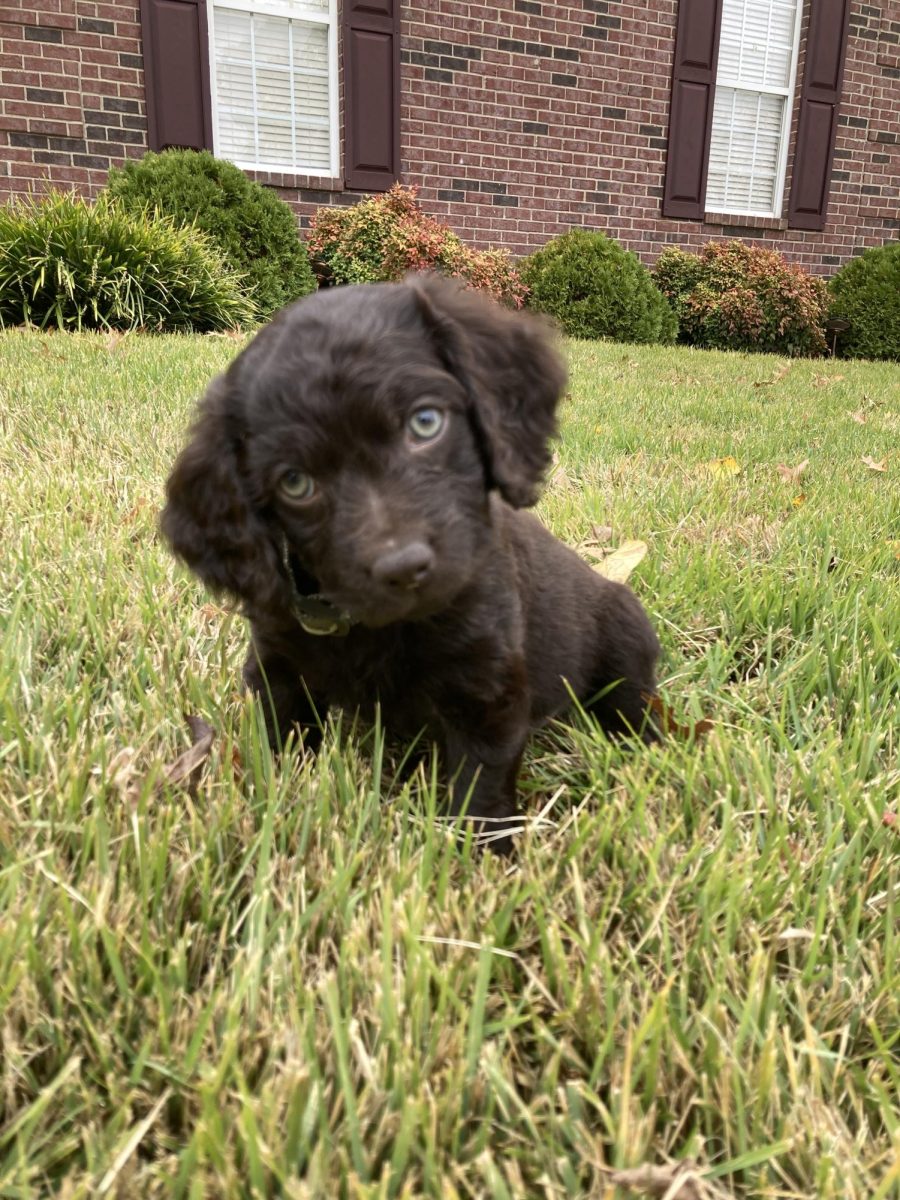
{"x": 859, "y": 417}
{"x": 602, "y": 533}
{"x": 186, "y": 767}
{"x": 113, "y": 342}
{"x": 779, "y": 374}
{"x": 873, "y": 465}
{"x": 826, "y": 380}
{"x": 619, "y": 565}
{"x": 799, "y": 501}
{"x": 677, "y": 1181}
{"x": 791, "y": 474}
{"x": 669, "y": 725}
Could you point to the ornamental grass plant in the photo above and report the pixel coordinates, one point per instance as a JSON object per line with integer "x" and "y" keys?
{"x": 67, "y": 263}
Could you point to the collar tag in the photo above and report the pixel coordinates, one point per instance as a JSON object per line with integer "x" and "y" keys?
{"x": 320, "y": 617}
{"x": 314, "y": 614}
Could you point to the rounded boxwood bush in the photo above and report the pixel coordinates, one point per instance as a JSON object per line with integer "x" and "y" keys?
{"x": 731, "y": 296}
{"x": 866, "y": 292}
{"x": 597, "y": 289}
{"x": 73, "y": 265}
{"x": 256, "y": 232}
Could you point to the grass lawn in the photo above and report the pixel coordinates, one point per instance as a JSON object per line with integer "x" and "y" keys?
{"x": 288, "y": 981}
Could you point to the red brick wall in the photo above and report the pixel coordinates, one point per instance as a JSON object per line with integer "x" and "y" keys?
{"x": 528, "y": 118}
{"x": 520, "y": 120}
{"x": 71, "y": 92}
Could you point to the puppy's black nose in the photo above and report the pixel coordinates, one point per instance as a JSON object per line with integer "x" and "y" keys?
{"x": 405, "y": 568}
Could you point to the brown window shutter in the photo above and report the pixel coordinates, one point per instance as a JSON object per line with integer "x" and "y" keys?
{"x": 823, "y": 75}
{"x": 691, "y": 107}
{"x": 371, "y": 93}
{"x": 176, "y": 73}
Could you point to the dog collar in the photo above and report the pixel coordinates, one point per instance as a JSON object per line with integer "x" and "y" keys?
{"x": 314, "y": 613}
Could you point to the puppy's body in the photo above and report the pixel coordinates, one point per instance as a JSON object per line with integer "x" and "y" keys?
{"x": 372, "y": 447}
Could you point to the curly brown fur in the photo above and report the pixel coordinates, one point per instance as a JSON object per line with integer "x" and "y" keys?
{"x": 471, "y": 622}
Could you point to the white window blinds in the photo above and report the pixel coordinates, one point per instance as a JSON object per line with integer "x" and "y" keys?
{"x": 274, "y": 103}
{"x": 751, "y": 115}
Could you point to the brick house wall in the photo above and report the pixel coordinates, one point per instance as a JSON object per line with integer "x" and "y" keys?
{"x": 519, "y": 120}
{"x": 71, "y": 93}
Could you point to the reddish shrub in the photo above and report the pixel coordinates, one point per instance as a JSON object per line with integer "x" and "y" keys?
{"x": 383, "y": 237}
{"x": 732, "y": 296}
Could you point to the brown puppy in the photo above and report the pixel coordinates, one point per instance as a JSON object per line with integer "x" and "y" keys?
{"x": 355, "y": 479}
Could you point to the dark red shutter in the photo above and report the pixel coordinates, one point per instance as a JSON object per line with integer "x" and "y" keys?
{"x": 691, "y": 108}
{"x": 823, "y": 75}
{"x": 176, "y": 73}
{"x": 371, "y": 93}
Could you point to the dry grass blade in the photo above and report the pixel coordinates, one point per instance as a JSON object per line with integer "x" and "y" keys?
{"x": 137, "y": 1136}
{"x": 121, "y": 774}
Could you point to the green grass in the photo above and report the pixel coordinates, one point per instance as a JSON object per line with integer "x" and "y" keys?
{"x": 291, "y": 982}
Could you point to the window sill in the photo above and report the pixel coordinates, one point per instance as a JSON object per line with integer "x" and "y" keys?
{"x": 742, "y": 220}
{"x": 321, "y": 183}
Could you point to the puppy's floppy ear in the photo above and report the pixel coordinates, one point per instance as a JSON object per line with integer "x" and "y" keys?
{"x": 208, "y": 519}
{"x": 512, "y": 371}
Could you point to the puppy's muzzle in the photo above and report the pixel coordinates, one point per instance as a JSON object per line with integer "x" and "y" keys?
{"x": 404, "y": 568}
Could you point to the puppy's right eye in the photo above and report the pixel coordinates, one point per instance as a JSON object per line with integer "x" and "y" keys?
{"x": 426, "y": 423}
{"x": 297, "y": 486}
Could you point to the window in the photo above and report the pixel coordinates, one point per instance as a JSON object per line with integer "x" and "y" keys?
{"x": 743, "y": 73}
{"x": 274, "y": 84}
{"x": 757, "y": 66}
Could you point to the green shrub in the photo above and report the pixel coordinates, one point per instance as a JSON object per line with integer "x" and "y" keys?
{"x": 731, "y": 296}
{"x": 867, "y": 293}
{"x": 597, "y": 289}
{"x": 255, "y": 230}
{"x": 73, "y": 265}
{"x": 383, "y": 237}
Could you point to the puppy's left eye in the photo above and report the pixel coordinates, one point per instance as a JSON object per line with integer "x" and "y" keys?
{"x": 426, "y": 423}
{"x": 297, "y": 486}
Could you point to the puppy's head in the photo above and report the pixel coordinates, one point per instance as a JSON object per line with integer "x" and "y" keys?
{"x": 364, "y": 429}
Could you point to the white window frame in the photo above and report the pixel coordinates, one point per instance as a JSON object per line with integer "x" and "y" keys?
{"x": 297, "y": 11}
{"x": 788, "y": 92}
